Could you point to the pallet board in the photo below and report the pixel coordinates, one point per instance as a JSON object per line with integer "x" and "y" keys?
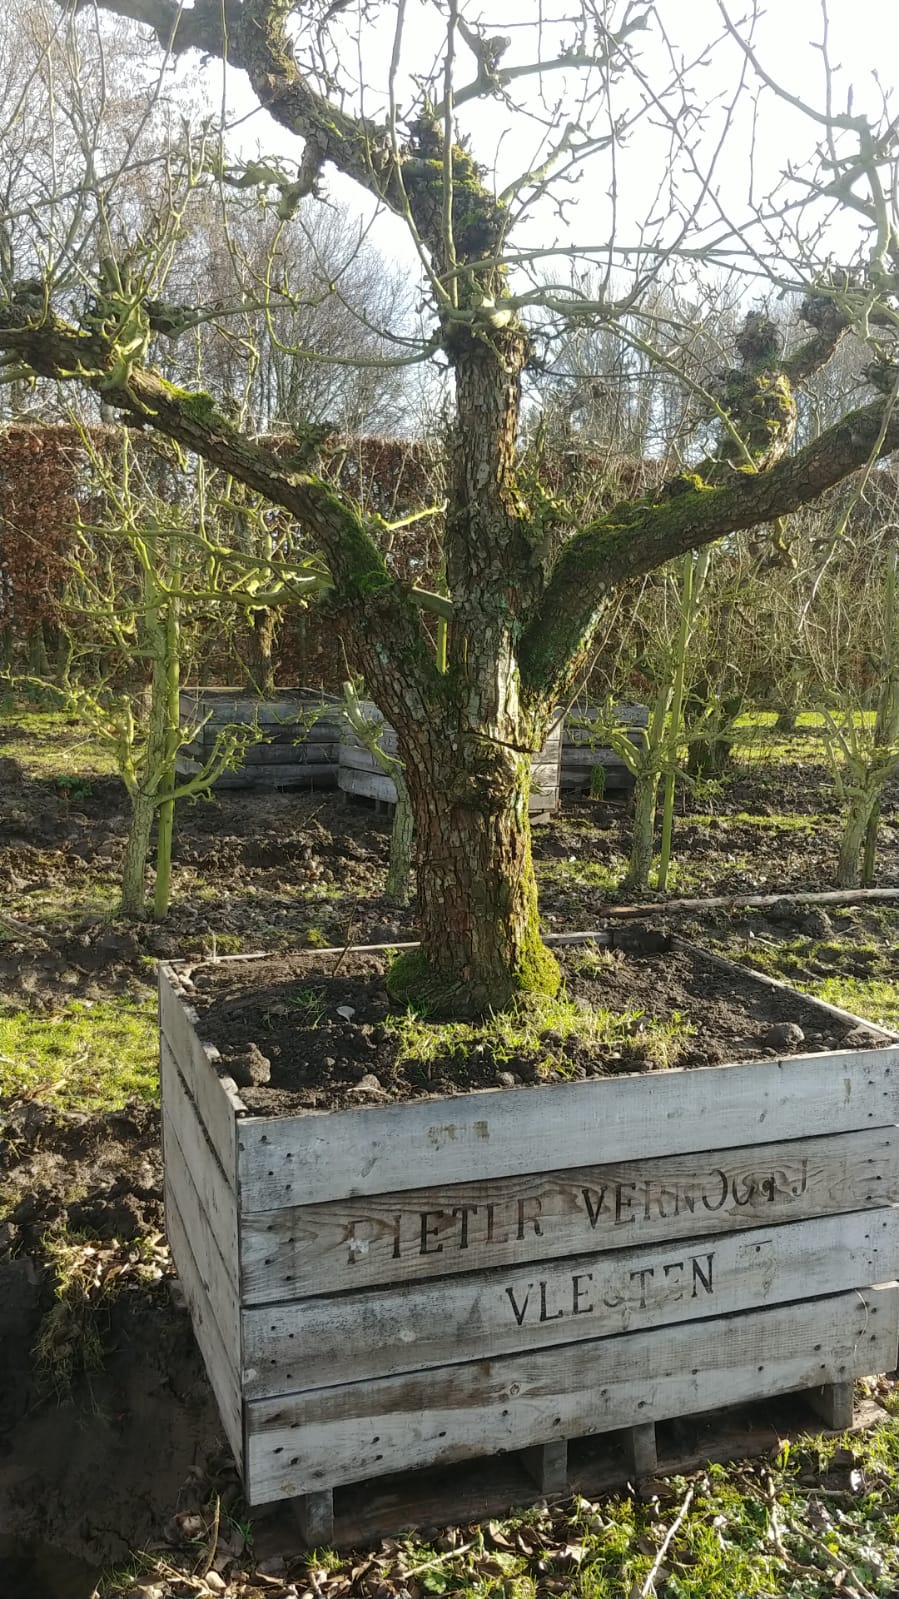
{"x": 410, "y": 1285}
{"x": 433, "y": 1232}
{"x": 426, "y": 1143}
{"x": 361, "y": 774}
{"x": 352, "y": 1337}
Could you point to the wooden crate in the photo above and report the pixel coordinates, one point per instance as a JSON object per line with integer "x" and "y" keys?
{"x": 360, "y": 774}
{"x": 414, "y": 1285}
{"x": 581, "y": 752}
{"x": 298, "y": 745}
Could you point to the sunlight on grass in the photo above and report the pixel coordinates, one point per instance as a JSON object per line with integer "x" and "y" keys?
{"x": 50, "y": 743}
{"x": 86, "y": 1056}
{"x": 542, "y": 1026}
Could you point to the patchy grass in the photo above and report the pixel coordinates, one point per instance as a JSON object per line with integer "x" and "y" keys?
{"x": 64, "y": 901}
{"x": 542, "y": 1026}
{"x": 856, "y": 967}
{"x": 88, "y": 1275}
{"x": 821, "y": 1519}
{"x": 86, "y": 1056}
{"x": 52, "y": 744}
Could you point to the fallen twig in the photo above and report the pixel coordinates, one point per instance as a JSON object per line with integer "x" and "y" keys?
{"x": 649, "y": 1585}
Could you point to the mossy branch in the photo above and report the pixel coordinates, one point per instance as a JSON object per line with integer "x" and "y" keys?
{"x": 635, "y": 537}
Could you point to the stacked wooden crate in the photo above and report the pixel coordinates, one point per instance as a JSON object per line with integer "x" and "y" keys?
{"x": 392, "y": 1288}
{"x": 360, "y": 772}
{"x": 299, "y": 736}
{"x": 583, "y": 749}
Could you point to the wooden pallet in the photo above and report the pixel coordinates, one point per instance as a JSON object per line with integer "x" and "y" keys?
{"x": 492, "y": 1486}
{"x": 298, "y": 746}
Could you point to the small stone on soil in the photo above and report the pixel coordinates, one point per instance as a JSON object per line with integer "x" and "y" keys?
{"x": 369, "y": 1084}
{"x": 862, "y": 1038}
{"x": 783, "y": 1035}
{"x": 505, "y": 1080}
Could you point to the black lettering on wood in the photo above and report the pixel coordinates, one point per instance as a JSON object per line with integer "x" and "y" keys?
{"x": 654, "y": 1196}
{"x": 684, "y": 1201}
{"x": 594, "y": 1199}
{"x": 722, "y": 1178}
{"x": 523, "y": 1218}
{"x": 668, "y": 1268}
{"x": 577, "y": 1309}
{"x": 491, "y": 1233}
{"x": 803, "y": 1179}
{"x": 700, "y": 1276}
{"x": 624, "y": 1202}
{"x": 519, "y": 1314}
{"x": 464, "y": 1211}
{"x": 643, "y": 1274}
{"x": 430, "y": 1232}
{"x": 544, "y": 1314}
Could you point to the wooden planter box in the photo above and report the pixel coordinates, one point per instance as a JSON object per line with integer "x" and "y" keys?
{"x": 397, "y": 1287}
{"x": 581, "y": 753}
{"x": 298, "y": 748}
{"x": 360, "y": 773}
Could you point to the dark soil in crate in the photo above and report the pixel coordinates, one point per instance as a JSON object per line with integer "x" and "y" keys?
{"x": 319, "y": 1033}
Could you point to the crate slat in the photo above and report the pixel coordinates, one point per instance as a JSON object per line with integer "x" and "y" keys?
{"x": 342, "y": 1435}
{"x": 219, "y": 1203}
{"x": 220, "y": 1368}
{"x": 429, "y": 1232}
{"x": 380, "y": 1332}
{"x": 218, "y": 1275}
{"x": 216, "y": 1097}
{"x": 503, "y": 1133}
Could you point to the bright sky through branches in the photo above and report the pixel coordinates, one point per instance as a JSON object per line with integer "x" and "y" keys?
{"x": 740, "y": 135}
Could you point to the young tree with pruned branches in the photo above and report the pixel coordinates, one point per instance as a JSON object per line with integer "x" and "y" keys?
{"x": 526, "y": 577}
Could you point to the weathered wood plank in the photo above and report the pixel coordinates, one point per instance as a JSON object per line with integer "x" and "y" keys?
{"x": 219, "y": 1275}
{"x": 283, "y": 775}
{"x": 501, "y": 1133}
{"x": 352, "y": 1244}
{"x": 215, "y": 1097}
{"x": 359, "y": 759}
{"x": 299, "y": 753}
{"x": 367, "y": 784}
{"x": 833, "y": 1402}
{"x": 314, "y": 1343}
{"x": 622, "y": 716}
{"x": 218, "y": 1199}
{"x": 220, "y": 1369}
{"x": 583, "y": 755}
{"x": 547, "y": 1464}
{"x": 342, "y": 1435}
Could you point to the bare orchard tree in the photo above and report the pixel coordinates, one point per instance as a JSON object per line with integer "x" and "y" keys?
{"x": 586, "y": 88}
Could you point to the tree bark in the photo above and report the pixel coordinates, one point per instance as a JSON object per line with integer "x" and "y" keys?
{"x": 259, "y": 666}
{"x": 477, "y": 894}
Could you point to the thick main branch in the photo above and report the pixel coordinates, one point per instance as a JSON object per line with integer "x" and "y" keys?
{"x": 636, "y": 537}
{"x": 366, "y": 596}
